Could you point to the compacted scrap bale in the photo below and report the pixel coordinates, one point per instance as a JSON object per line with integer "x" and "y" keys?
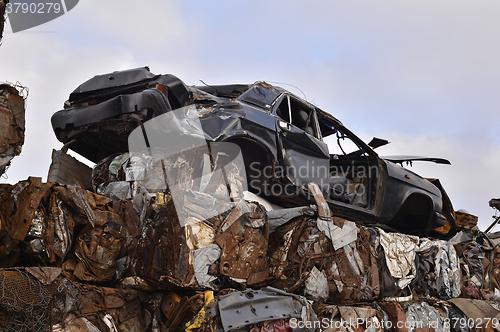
{"x": 11, "y": 124}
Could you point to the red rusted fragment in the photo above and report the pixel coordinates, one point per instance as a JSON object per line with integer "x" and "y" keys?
{"x": 83, "y": 202}
{"x": 28, "y": 199}
{"x": 126, "y": 210}
{"x": 46, "y": 275}
{"x": 396, "y": 315}
{"x": 242, "y": 256}
{"x": 97, "y": 250}
{"x": 162, "y": 255}
{"x": 258, "y": 277}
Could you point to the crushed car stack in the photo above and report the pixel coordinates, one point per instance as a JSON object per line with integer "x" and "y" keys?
{"x": 175, "y": 241}
{"x": 74, "y": 260}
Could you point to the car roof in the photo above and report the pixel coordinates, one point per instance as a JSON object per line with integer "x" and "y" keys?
{"x": 236, "y": 90}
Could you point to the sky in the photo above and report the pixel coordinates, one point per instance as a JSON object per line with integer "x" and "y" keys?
{"x": 424, "y": 74}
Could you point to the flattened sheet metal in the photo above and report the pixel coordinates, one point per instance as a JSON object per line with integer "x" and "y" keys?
{"x": 240, "y": 309}
{"x": 340, "y": 237}
{"x": 449, "y": 271}
{"x": 349, "y": 319}
{"x": 46, "y": 275}
{"x": 420, "y": 316}
{"x": 317, "y": 285}
{"x": 78, "y": 197}
{"x": 477, "y": 310}
{"x": 282, "y": 216}
{"x": 203, "y": 259}
{"x": 65, "y": 169}
{"x": 399, "y": 251}
{"x": 242, "y": 255}
{"x": 254, "y": 211}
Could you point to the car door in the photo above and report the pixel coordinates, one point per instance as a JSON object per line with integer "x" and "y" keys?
{"x": 304, "y": 155}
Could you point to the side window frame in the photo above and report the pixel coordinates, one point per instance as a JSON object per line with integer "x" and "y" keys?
{"x": 312, "y": 119}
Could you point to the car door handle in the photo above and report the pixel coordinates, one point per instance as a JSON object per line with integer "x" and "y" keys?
{"x": 284, "y": 125}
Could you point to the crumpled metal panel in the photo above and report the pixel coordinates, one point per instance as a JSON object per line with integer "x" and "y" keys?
{"x": 46, "y": 275}
{"x": 477, "y": 311}
{"x": 162, "y": 255}
{"x": 471, "y": 264}
{"x": 20, "y": 204}
{"x": 12, "y": 124}
{"x": 65, "y": 169}
{"x": 347, "y": 318}
{"x": 245, "y": 308}
{"x": 203, "y": 259}
{"x": 283, "y": 216}
{"x": 449, "y": 271}
{"x": 355, "y": 272}
{"x": 75, "y": 324}
{"x": 244, "y": 251}
{"x": 69, "y": 207}
{"x": 395, "y": 314}
{"x": 421, "y": 316}
{"x": 400, "y": 251}
{"x": 425, "y": 282}
{"x": 243, "y": 239}
{"x": 494, "y": 268}
{"x": 317, "y": 285}
{"x": 97, "y": 251}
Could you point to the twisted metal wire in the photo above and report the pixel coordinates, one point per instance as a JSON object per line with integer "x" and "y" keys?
{"x": 25, "y": 303}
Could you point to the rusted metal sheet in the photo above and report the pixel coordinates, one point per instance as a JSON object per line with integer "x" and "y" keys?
{"x": 347, "y": 318}
{"x": 465, "y": 220}
{"x": 162, "y": 255}
{"x": 243, "y": 239}
{"x": 65, "y": 169}
{"x": 23, "y": 201}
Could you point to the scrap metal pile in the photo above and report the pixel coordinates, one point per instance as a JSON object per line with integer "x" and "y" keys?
{"x": 125, "y": 258}
{"x": 119, "y": 248}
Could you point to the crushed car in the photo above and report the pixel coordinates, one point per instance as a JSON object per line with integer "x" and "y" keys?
{"x": 281, "y": 138}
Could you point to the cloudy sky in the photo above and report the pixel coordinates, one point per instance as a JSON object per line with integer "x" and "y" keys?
{"x": 423, "y": 74}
